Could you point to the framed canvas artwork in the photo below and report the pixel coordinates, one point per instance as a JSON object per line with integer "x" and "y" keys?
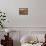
{"x": 23, "y": 11}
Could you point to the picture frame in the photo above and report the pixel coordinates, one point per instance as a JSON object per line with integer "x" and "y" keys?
{"x": 23, "y": 11}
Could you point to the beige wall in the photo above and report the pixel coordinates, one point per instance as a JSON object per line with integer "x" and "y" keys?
{"x": 37, "y": 17}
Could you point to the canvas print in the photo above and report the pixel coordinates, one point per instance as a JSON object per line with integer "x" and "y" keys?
{"x": 23, "y": 11}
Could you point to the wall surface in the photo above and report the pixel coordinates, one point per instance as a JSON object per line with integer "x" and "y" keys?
{"x": 38, "y": 13}
{"x": 11, "y": 7}
{"x": 36, "y": 17}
